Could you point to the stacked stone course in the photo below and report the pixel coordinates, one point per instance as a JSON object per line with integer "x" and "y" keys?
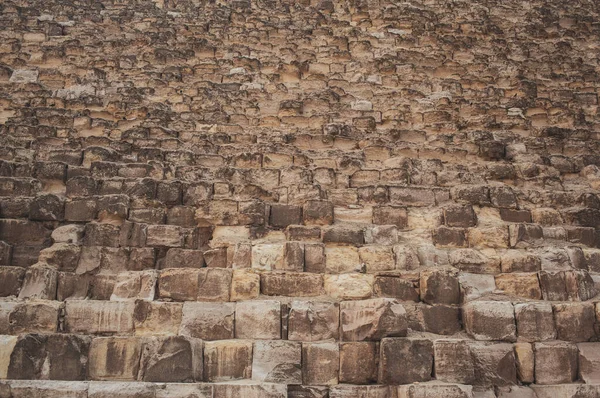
{"x": 305, "y": 199}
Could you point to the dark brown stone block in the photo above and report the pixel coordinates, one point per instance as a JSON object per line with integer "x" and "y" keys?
{"x": 318, "y": 212}
{"x": 358, "y": 362}
{"x": 460, "y": 216}
{"x": 405, "y": 360}
{"x": 281, "y": 216}
{"x": 171, "y": 359}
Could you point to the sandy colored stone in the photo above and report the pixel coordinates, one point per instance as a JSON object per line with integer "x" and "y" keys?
{"x": 320, "y": 363}
{"x": 372, "y": 319}
{"x": 208, "y": 321}
{"x": 525, "y": 285}
{"x": 171, "y": 359}
{"x": 226, "y": 360}
{"x": 267, "y": 256}
{"x": 115, "y": 358}
{"x": 135, "y": 285}
{"x": 349, "y": 286}
{"x": 258, "y": 319}
{"x": 154, "y": 318}
{"x": 313, "y": 320}
{"x": 358, "y": 362}
{"x": 555, "y": 362}
{"x": 525, "y": 362}
{"x": 377, "y": 258}
{"x": 490, "y": 320}
{"x": 97, "y": 317}
{"x": 341, "y": 259}
{"x": 277, "y": 362}
{"x": 245, "y": 285}
{"x": 453, "y": 362}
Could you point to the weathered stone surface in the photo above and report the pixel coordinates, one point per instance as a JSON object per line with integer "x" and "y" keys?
{"x": 121, "y": 390}
{"x": 267, "y": 256}
{"x": 183, "y": 258}
{"x": 349, "y": 286}
{"x": 395, "y": 287}
{"x": 114, "y": 358}
{"x": 35, "y": 317}
{"x": 453, "y": 361}
{"x": 435, "y": 390}
{"x": 135, "y": 285}
{"x": 245, "y": 285}
{"x": 348, "y": 391}
{"x": 589, "y": 362}
{"x": 439, "y": 287}
{"x": 258, "y": 319}
{"x": 341, "y": 259}
{"x": 190, "y": 284}
{"x": 405, "y": 360}
{"x": 313, "y": 320}
{"x": 292, "y": 284}
{"x": 372, "y": 319}
{"x": 156, "y": 318}
{"x": 520, "y": 285}
{"x": 208, "y": 321}
{"x": 320, "y": 363}
{"x": 227, "y": 360}
{"x": 171, "y": 359}
{"x": 99, "y": 317}
{"x": 575, "y": 321}
{"x": 47, "y": 389}
{"x": 438, "y": 319}
{"x": 555, "y": 362}
{"x": 525, "y": 362}
{"x": 358, "y": 362}
{"x": 277, "y": 362}
{"x": 490, "y": 320}
{"x": 494, "y": 364}
{"x": 535, "y": 321}
{"x": 250, "y": 390}
{"x": 40, "y": 283}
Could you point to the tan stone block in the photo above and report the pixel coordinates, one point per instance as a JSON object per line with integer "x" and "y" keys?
{"x": 490, "y": 237}
{"x": 114, "y": 358}
{"x": 277, "y": 362}
{"x": 525, "y": 362}
{"x": 258, "y": 319}
{"x": 350, "y": 391}
{"x": 164, "y": 235}
{"x": 185, "y": 390}
{"x": 171, "y": 359}
{"x": 453, "y": 361}
{"x": 267, "y": 256}
{"x": 313, "y": 320}
{"x": 121, "y": 390}
{"x": 575, "y": 321}
{"x": 372, "y": 319}
{"x": 358, "y": 362}
{"x": 437, "y": 390}
{"x": 40, "y": 283}
{"x": 245, "y": 285}
{"x": 341, "y": 259}
{"x": 97, "y": 317}
{"x": 490, "y": 320}
{"x": 405, "y": 360}
{"x": 349, "y": 286}
{"x": 291, "y": 284}
{"x": 589, "y": 362}
{"x": 155, "y": 318}
{"x": 7, "y": 344}
{"x": 189, "y": 284}
{"x": 135, "y": 285}
{"x": 439, "y": 287}
{"x": 555, "y": 362}
{"x": 377, "y": 258}
{"x": 535, "y": 321}
{"x": 47, "y": 389}
{"x": 226, "y": 360}
{"x": 494, "y": 363}
{"x": 208, "y": 321}
{"x": 320, "y": 363}
{"x": 520, "y": 285}
{"x": 248, "y": 389}
{"x": 35, "y": 317}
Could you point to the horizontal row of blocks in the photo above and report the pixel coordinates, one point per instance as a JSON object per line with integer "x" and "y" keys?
{"x": 306, "y": 320}
{"x": 394, "y": 360}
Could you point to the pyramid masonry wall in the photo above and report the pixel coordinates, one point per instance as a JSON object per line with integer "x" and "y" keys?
{"x": 305, "y": 199}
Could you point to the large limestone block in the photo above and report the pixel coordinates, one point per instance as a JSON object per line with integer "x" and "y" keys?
{"x": 349, "y": 286}
{"x": 135, "y": 285}
{"x": 473, "y": 286}
{"x": 358, "y": 362}
{"x": 349, "y": 391}
{"x": 405, "y": 360}
{"x": 183, "y": 258}
{"x": 99, "y": 317}
{"x": 320, "y": 363}
{"x": 494, "y": 364}
{"x": 372, "y": 319}
{"x": 157, "y": 318}
{"x": 589, "y": 362}
{"x": 438, "y": 319}
{"x": 267, "y": 256}
{"x": 190, "y": 284}
{"x": 277, "y": 361}
{"x": 245, "y": 285}
{"x": 524, "y": 285}
{"x": 341, "y": 259}
{"x": 11, "y": 279}
{"x": 575, "y": 321}
{"x": 164, "y": 235}
{"x": 435, "y": 390}
{"x": 35, "y": 317}
{"x": 226, "y": 360}
{"x": 313, "y": 320}
{"x": 439, "y": 287}
{"x": 555, "y": 362}
{"x": 525, "y": 362}
{"x": 208, "y": 321}
{"x": 258, "y": 319}
{"x": 7, "y": 344}
{"x": 40, "y": 283}
{"x": 121, "y": 390}
{"x": 250, "y": 390}
{"x": 490, "y": 320}
{"x": 47, "y": 389}
{"x": 115, "y": 358}
{"x": 453, "y": 361}
{"x": 171, "y": 359}
{"x": 535, "y": 321}
{"x": 377, "y": 258}
{"x": 301, "y": 391}
{"x": 291, "y": 284}
{"x": 185, "y": 390}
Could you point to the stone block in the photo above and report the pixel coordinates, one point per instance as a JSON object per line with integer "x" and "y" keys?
{"x": 525, "y": 362}
{"x": 412, "y": 196}
{"x": 553, "y": 285}
{"x": 35, "y": 317}
{"x": 250, "y": 390}
{"x": 589, "y": 362}
{"x": 11, "y": 280}
{"x": 183, "y": 258}
{"x": 320, "y": 363}
{"x": 291, "y": 284}
{"x": 135, "y": 285}
{"x": 208, "y": 321}
{"x": 277, "y": 362}
{"x": 352, "y": 235}
{"x": 293, "y": 256}
{"x": 494, "y": 364}
{"x": 439, "y": 287}
{"x": 40, "y": 283}
{"x": 47, "y": 208}
{"x": 245, "y": 285}
{"x": 388, "y": 215}
{"x": 99, "y": 317}
{"x": 155, "y": 318}
{"x": 350, "y": 391}
{"x": 377, "y": 258}
{"x": 121, "y": 390}
{"x": 489, "y": 238}
{"x": 170, "y": 359}
{"x": 47, "y": 389}
{"x": 405, "y": 360}
{"x": 575, "y": 321}
{"x": 216, "y": 258}
{"x": 372, "y": 319}
{"x": 317, "y": 212}
{"x": 473, "y": 286}
{"x": 115, "y": 358}
{"x": 341, "y": 259}
{"x": 490, "y": 320}
{"x": 535, "y": 321}
{"x": 358, "y": 362}
{"x": 164, "y": 235}
{"x": 280, "y": 216}
{"x": 191, "y": 284}
{"x": 517, "y": 261}
{"x": 439, "y": 319}
{"x": 555, "y": 362}
{"x": 449, "y": 237}
{"x": 267, "y": 256}
{"x": 227, "y": 360}
{"x": 349, "y": 286}
{"x": 300, "y": 391}
{"x": 453, "y": 361}
{"x": 314, "y": 258}
{"x": 313, "y": 320}
{"x": 460, "y": 216}
{"x": 395, "y": 287}
{"x": 437, "y": 390}
{"x": 258, "y": 319}
{"x": 185, "y": 390}
{"x": 523, "y": 285}
{"x": 62, "y": 256}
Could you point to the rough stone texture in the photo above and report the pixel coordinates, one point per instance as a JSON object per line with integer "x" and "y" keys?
{"x": 325, "y": 194}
